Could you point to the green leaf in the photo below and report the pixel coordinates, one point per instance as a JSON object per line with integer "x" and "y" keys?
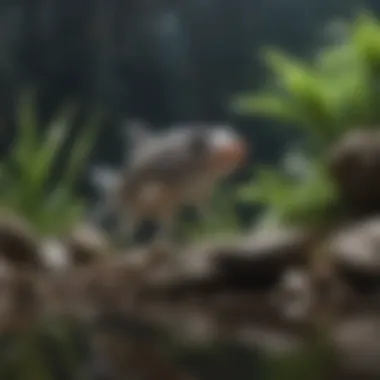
{"x": 81, "y": 150}
{"x": 366, "y": 36}
{"x": 26, "y": 129}
{"x": 50, "y": 146}
{"x": 339, "y": 90}
{"x": 270, "y": 105}
{"x": 60, "y": 210}
{"x": 25, "y": 174}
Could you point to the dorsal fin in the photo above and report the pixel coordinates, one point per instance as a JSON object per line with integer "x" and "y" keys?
{"x": 136, "y": 131}
{"x": 104, "y": 179}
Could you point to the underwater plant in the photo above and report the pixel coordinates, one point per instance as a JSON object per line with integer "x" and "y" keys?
{"x": 339, "y": 90}
{"x": 222, "y": 221}
{"x": 26, "y": 174}
{"x": 288, "y": 199}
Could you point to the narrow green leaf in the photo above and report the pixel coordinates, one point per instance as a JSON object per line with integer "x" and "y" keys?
{"x": 51, "y": 145}
{"x": 26, "y": 129}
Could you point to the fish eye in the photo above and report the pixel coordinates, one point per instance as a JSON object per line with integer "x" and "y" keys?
{"x": 198, "y": 142}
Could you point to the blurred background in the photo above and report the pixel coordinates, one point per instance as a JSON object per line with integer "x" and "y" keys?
{"x": 162, "y": 61}
{"x": 295, "y": 293}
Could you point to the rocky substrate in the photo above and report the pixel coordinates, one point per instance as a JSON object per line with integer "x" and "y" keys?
{"x": 262, "y": 291}
{"x": 270, "y": 292}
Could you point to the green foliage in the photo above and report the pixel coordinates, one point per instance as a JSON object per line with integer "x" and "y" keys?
{"x": 26, "y": 173}
{"x": 221, "y": 220}
{"x": 335, "y": 92}
{"x": 338, "y": 90}
{"x": 309, "y": 198}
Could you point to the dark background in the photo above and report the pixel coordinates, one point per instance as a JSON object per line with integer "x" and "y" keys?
{"x": 163, "y": 61}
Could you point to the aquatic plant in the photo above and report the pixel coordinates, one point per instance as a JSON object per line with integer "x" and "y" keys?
{"x": 26, "y": 184}
{"x": 287, "y": 198}
{"x": 221, "y": 219}
{"x": 337, "y": 91}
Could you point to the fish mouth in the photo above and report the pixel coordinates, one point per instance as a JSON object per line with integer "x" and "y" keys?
{"x": 232, "y": 155}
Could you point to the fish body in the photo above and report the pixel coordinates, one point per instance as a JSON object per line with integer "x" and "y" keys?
{"x": 168, "y": 170}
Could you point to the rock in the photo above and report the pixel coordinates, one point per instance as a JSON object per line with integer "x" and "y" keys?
{"x": 355, "y": 250}
{"x": 186, "y": 273}
{"x": 249, "y": 263}
{"x": 357, "y": 341}
{"x": 258, "y": 260}
{"x": 19, "y": 243}
{"x": 110, "y": 285}
{"x": 355, "y": 165}
{"x": 21, "y": 298}
{"x": 116, "y": 283}
{"x": 194, "y": 326}
{"x": 272, "y": 341}
{"x": 294, "y": 296}
{"x": 86, "y": 243}
{"x": 54, "y": 255}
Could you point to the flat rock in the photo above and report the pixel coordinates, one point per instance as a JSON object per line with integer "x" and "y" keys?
{"x": 355, "y": 250}
{"x": 259, "y": 259}
{"x": 19, "y": 243}
{"x": 86, "y": 243}
{"x": 184, "y": 273}
{"x": 253, "y": 262}
{"x": 249, "y": 320}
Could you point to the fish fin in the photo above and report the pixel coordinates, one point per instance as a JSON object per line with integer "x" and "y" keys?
{"x": 105, "y": 179}
{"x": 136, "y": 131}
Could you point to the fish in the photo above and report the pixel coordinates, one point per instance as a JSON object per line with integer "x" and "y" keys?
{"x": 167, "y": 170}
